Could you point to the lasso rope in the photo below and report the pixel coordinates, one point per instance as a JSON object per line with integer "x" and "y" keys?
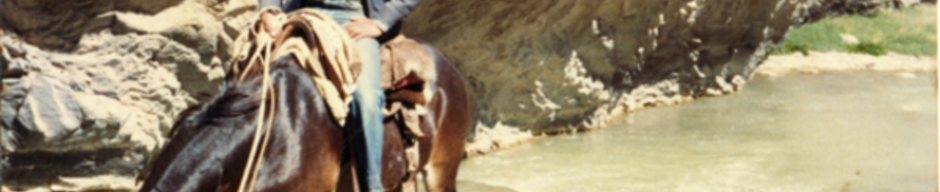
{"x": 264, "y": 43}
{"x": 332, "y": 63}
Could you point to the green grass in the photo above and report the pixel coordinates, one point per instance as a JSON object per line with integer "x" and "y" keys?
{"x": 870, "y": 48}
{"x": 911, "y": 31}
{"x": 790, "y": 47}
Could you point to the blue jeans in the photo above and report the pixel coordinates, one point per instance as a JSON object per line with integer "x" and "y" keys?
{"x": 366, "y": 113}
{"x": 366, "y": 109}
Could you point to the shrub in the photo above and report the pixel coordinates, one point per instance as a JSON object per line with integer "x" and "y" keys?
{"x": 790, "y": 47}
{"x": 867, "y": 48}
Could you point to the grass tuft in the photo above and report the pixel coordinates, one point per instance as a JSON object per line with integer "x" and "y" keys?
{"x": 789, "y": 47}
{"x": 867, "y": 48}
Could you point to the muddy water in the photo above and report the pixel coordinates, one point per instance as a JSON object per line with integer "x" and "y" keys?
{"x": 847, "y": 131}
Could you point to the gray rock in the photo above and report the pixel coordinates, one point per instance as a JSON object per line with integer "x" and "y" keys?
{"x": 113, "y": 92}
{"x": 10, "y": 102}
{"x": 49, "y": 110}
{"x": 188, "y": 68}
{"x": 99, "y": 83}
{"x": 4, "y": 63}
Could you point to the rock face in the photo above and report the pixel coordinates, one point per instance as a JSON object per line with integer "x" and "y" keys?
{"x": 558, "y": 66}
{"x": 60, "y": 24}
{"x": 90, "y": 87}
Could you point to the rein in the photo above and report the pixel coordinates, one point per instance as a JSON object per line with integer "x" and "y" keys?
{"x": 256, "y": 155}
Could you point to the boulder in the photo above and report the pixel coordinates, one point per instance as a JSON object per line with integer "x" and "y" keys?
{"x": 108, "y": 104}
{"x": 92, "y": 87}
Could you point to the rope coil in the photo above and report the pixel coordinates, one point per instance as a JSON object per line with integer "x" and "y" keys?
{"x": 328, "y": 55}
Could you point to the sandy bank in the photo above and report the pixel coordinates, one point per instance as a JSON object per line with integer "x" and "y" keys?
{"x": 817, "y": 62}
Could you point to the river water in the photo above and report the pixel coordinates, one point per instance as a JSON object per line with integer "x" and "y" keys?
{"x": 845, "y": 131}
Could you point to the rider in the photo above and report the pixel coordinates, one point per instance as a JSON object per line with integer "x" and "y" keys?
{"x": 383, "y": 21}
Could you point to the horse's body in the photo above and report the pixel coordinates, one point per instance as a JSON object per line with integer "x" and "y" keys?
{"x": 307, "y": 149}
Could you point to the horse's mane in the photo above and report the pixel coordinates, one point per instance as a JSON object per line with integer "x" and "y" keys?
{"x": 235, "y": 99}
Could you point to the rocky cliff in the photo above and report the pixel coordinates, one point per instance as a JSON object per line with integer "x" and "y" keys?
{"x": 567, "y": 65}
{"x": 556, "y": 66}
{"x": 90, "y": 87}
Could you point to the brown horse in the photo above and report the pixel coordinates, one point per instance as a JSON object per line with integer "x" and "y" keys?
{"x": 306, "y": 149}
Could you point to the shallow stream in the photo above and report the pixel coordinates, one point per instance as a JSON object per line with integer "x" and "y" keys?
{"x": 845, "y": 131}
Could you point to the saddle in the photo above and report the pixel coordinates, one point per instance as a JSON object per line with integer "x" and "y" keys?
{"x": 328, "y": 55}
{"x": 407, "y": 69}
{"x": 407, "y": 73}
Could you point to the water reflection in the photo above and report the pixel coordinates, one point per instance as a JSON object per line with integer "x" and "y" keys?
{"x": 852, "y": 131}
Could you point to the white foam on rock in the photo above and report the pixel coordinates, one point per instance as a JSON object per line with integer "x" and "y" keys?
{"x": 543, "y": 102}
{"x": 498, "y": 136}
{"x": 576, "y": 75}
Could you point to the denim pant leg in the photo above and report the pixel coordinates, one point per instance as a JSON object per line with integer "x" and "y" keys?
{"x": 285, "y": 5}
{"x": 368, "y": 100}
{"x": 370, "y": 96}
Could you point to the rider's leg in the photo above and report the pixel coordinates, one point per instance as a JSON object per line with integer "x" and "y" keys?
{"x": 368, "y": 97}
{"x": 366, "y": 112}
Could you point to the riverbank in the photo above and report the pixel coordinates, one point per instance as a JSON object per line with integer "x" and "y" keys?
{"x": 492, "y": 138}
{"x": 819, "y": 62}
